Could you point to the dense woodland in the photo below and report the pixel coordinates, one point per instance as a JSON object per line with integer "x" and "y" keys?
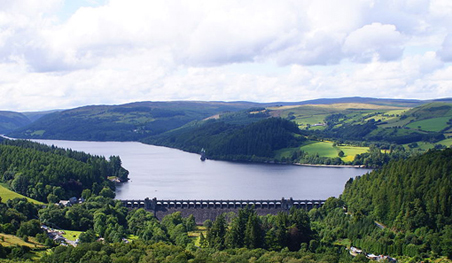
{"x": 412, "y": 198}
{"x": 245, "y": 131}
{"x": 50, "y": 174}
{"x": 402, "y": 210}
{"x": 9, "y": 121}
{"x": 223, "y": 140}
{"x": 128, "y": 122}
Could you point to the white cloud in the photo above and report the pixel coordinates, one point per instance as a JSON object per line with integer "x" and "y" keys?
{"x": 124, "y": 51}
{"x": 446, "y": 49}
{"x": 374, "y": 41}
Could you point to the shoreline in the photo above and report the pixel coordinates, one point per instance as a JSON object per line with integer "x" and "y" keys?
{"x": 332, "y": 165}
{"x": 226, "y": 160}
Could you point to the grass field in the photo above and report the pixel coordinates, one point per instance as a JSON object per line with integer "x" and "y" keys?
{"x": 10, "y": 240}
{"x": 351, "y": 151}
{"x": 425, "y": 146}
{"x": 447, "y": 142}
{"x": 324, "y": 149}
{"x": 7, "y": 194}
{"x": 434, "y": 124}
{"x": 71, "y": 235}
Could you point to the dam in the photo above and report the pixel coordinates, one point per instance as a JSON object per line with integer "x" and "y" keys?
{"x": 210, "y": 209}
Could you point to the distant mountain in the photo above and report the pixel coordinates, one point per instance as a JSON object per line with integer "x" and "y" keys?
{"x": 374, "y": 101}
{"x": 128, "y": 122}
{"x": 35, "y": 115}
{"x": 139, "y": 120}
{"x": 9, "y": 121}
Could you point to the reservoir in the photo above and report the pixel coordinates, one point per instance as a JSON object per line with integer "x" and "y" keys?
{"x": 167, "y": 173}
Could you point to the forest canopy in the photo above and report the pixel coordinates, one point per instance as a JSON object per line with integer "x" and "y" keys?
{"x": 48, "y": 173}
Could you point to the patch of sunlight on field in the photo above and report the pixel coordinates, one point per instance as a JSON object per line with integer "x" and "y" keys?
{"x": 10, "y": 240}
{"x": 323, "y": 149}
{"x": 7, "y": 194}
{"x": 71, "y": 234}
{"x": 351, "y": 151}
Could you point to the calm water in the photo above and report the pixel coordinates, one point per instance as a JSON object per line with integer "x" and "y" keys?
{"x": 173, "y": 174}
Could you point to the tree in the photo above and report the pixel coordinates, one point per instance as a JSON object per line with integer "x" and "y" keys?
{"x": 86, "y": 193}
{"x": 216, "y": 234}
{"x": 88, "y": 236}
{"x": 29, "y": 228}
{"x": 253, "y": 232}
{"x": 107, "y": 192}
{"x": 20, "y": 184}
{"x": 51, "y": 198}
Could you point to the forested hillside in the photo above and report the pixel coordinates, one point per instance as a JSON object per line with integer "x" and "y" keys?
{"x": 346, "y": 131}
{"x": 411, "y": 197}
{"x": 49, "y": 174}
{"x": 9, "y": 121}
{"x": 402, "y": 211}
{"x": 128, "y": 122}
{"x": 222, "y": 140}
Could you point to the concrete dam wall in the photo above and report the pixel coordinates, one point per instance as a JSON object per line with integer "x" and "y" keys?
{"x": 210, "y": 209}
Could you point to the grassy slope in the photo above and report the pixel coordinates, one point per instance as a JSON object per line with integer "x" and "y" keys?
{"x": 434, "y": 124}
{"x": 10, "y": 241}
{"x": 314, "y": 114}
{"x": 7, "y": 194}
{"x": 324, "y": 149}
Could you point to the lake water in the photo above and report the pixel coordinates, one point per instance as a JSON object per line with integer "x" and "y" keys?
{"x": 167, "y": 173}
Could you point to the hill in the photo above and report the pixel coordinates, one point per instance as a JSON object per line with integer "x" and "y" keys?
{"x": 9, "y": 121}
{"x": 373, "y": 123}
{"x": 50, "y": 174}
{"x": 255, "y": 141}
{"x": 135, "y": 121}
{"x": 412, "y": 198}
{"x": 128, "y": 122}
{"x": 338, "y": 131}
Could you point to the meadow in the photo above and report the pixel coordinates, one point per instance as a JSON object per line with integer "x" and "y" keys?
{"x": 434, "y": 124}
{"x": 7, "y": 194}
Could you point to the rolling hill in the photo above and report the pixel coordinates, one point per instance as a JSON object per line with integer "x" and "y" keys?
{"x": 330, "y": 129}
{"x": 128, "y": 122}
{"x": 9, "y": 121}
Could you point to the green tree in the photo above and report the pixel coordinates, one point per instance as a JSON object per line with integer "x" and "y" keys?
{"x": 29, "y": 228}
{"x": 107, "y": 192}
{"x": 216, "y": 234}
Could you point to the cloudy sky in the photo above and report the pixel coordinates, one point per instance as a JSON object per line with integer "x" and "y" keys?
{"x": 57, "y": 54}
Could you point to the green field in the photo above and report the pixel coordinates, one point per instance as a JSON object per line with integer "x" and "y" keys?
{"x": 10, "y": 241}
{"x": 425, "y": 146}
{"x": 351, "y": 151}
{"x": 434, "y": 124}
{"x": 7, "y": 194}
{"x": 326, "y": 149}
{"x": 447, "y": 142}
{"x": 71, "y": 234}
{"x": 323, "y": 149}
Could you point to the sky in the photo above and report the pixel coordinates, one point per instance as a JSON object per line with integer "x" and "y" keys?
{"x": 57, "y": 54}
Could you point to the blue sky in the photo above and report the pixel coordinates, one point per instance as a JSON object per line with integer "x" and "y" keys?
{"x": 58, "y": 54}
